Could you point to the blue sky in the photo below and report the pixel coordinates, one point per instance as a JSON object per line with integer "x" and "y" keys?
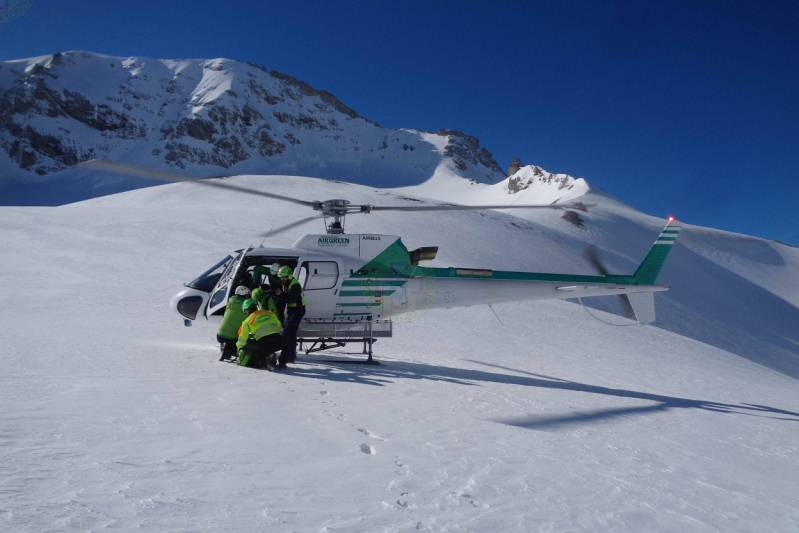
{"x": 675, "y": 107}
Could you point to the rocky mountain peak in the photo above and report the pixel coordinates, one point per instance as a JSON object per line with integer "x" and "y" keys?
{"x": 515, "y": 165}
{"x": 206, "y": 117}
{"x": 465, "y": 151}
{"x": 532, "y": 176}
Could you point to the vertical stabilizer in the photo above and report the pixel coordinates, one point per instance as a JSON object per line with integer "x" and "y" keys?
{"x": 649, "y": 269}
{"x": 643, "y": 304}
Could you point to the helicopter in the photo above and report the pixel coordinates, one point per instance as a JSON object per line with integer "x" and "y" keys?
{"x": 356, "y": 283}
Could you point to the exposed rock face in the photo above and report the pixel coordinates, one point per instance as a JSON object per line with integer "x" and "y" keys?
{"x": 574, "y": 218}
{"x": 58, "y": 110}
{"x": 526, "y": 176}
{"x": 514, "y": 166}
{"x": 465, "y": 150}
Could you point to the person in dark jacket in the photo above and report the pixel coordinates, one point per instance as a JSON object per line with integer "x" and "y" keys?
{"x": 294, "y": 298}
{"x": 274, "y": 280}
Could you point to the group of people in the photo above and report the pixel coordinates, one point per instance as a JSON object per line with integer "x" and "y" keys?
{"x": 262, "y": 317}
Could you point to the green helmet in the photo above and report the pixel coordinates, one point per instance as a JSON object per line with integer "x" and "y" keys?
{"x": 247, "y": 305}
{"x": 284, "y": 271}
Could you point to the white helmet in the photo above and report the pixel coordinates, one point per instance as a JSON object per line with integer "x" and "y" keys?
{"x": 273, "y": 268}
{"x": 242, "y": 290}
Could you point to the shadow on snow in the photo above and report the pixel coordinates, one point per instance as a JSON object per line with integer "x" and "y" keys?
{"x": 380, "y": 375}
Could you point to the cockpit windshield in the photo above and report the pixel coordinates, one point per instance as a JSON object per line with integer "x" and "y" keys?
{"x": 207, "y": 280}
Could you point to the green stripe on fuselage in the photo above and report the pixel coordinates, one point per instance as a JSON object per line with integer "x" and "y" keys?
{"x": 394, "y": 263}
{"x": 505, "y": 275}
{"x": 375, "y": 293}
{"x": 373, "y": 282}
{"x": 418, "y": 272}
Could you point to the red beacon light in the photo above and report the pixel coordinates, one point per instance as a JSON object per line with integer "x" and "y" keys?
{"x": 671, "y": 218}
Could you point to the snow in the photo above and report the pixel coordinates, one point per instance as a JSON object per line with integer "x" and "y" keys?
{"x": 117, "y": 417}
{"x": 542, "y": 187}
{"x": 730, "y": 290}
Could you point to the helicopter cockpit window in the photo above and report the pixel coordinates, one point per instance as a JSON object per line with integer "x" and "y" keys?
{"x": 223, "y": 286}
{"x": 320, "y": 275}
{"x": 218, "y": 297}
{"x": 208, "y": 279}
{"x": 229, "y": 271}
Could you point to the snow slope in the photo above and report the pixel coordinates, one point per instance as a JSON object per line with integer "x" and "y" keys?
{"x": 117, "y": 417}
{"x": 734, "y": 291}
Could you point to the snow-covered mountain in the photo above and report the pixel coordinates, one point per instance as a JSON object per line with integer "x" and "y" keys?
{"x": 529, "y": 184}
{"x": 540, "y": 418}
{"x": 529, "y": 416}
{"x": 204, "y": 117}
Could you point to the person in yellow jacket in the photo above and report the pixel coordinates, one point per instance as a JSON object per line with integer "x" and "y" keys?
{"x": 259, "y": 337}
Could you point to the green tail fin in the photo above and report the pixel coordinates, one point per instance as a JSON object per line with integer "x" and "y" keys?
{"x": 649, "y": 268}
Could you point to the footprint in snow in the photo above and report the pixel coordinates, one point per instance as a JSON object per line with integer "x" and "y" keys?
{"x": 368, "y": 450}
{"x": 370, "y": 434}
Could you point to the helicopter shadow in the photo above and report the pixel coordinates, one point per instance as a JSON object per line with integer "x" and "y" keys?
{"x": 389, "y": 373}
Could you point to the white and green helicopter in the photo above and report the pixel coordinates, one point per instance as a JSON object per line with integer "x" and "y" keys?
{"x": 355, "y": 283}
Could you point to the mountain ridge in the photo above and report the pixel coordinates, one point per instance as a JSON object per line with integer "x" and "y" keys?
{"x": 204, "y": 116}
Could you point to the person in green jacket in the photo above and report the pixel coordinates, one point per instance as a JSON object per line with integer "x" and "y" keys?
{"x": 265, "y": 298}
{"x": 228, "y": 331}
{"x": 257, "y": 276}
{"x": 259, "y": 337}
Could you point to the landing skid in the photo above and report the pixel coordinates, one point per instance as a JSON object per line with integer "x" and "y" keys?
{"x": 327, "y": 343}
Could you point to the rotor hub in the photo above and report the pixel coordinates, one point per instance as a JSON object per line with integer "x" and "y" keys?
{"x": 334, "y": 208}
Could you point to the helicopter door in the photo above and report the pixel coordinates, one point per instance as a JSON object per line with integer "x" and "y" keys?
{"x": 220, "y": 294}
{"x": 321, "y": 288}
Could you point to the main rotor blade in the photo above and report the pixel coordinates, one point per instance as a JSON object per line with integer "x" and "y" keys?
{"x": 287, "y": 227}
{"x": 455, "y": 207}
{"x": 591, "y": 253}
{"x": 134, "y": 170}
